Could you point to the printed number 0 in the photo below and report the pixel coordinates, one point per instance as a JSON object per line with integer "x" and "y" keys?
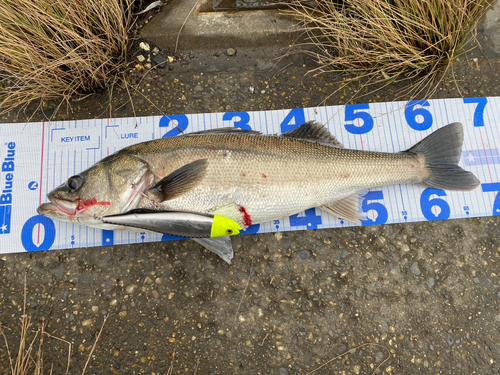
{"x": 427, "y": 203}
{"x": 379, "y": 208}
{"x": 48, "y": 237}
{"x": 352, "y": 115}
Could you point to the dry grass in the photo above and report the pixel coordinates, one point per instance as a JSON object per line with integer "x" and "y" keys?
{"x": 28, "y": 359}
{"x": 384, "y": 41}
{"x": 57, "y": 49}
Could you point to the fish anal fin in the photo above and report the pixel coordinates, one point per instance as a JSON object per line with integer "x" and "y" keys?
{"x": 180, "y": 181}
{"x": 348, "y": 208}
{"x": 219, "y": 245}
{"x": 313, "y": 131}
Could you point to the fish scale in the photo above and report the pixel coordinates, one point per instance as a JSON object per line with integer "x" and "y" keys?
{"x": 253, "y": 178}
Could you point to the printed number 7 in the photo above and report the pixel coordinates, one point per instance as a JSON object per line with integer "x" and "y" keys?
{"x": 479, "y": 110}
{"x": 495, "y": 186}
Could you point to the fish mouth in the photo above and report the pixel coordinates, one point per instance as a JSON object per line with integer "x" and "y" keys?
{"x": 57, "y": 205}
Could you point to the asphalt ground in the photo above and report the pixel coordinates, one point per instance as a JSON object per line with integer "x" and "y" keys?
{"x": 411, "y": 298}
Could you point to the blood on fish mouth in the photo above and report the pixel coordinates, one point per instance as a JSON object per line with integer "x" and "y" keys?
{"x": 82, "y": 204}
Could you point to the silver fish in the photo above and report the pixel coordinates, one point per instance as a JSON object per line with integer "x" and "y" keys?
{"x": 252, "y": 178}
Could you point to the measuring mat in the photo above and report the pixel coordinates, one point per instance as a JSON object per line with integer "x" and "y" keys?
{"x": 37, "y": 157}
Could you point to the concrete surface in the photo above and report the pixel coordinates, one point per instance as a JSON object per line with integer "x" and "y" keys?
{"x": 185, "y": 24}
{"x": 424, "y": 296}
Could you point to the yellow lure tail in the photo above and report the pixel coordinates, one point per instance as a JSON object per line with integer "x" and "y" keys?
{"x": 222, "y": 226}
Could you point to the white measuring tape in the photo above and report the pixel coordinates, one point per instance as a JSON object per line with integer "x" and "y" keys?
{"x": 40, "y": 156}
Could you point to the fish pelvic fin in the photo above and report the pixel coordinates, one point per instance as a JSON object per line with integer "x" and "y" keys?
{"x": 442, "y": 150}
{"x": 219, "y": 245}
{"x": 348, "y": 208}
{"x": 181, "y": 181}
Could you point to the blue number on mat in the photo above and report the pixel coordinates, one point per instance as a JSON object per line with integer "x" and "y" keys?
{"x": 351, "y": 115}
{"x": 479, "y": 111}
{"x": 411, "y": 114}
{"x": 108, "y": 237}
{"x": 495, "y": 186}
{"x": 242, "y": 123}
{"x": 379, "y": 208}
{"x": 168, "y": 237}
{"x": 299, "y": 118}
{"x": 27, "y": 233}
{"x": 252, "y": 229}
{"x": 182, "y": 124}
{"x": 310, "y": 219}
{"x": 427, "y": 204}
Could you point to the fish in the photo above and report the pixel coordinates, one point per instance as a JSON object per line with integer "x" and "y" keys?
{"x": 250, "y": 178}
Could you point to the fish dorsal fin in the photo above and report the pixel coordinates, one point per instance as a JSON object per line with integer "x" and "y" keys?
{"x": 313, "y": 131}
{"x": 228, "y": 130}
{"x": 348, "y": 208}
{"x": 180, "y": 181}
{"x": 218, "y": 245}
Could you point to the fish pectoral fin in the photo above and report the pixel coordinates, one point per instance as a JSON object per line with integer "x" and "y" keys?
{"x": 218, "y": 245}
{"x": 313, "y": 131}
{"x": 348, "y": 208}
{"x": 181, "y": 181}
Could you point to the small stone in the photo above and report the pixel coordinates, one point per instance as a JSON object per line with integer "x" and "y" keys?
{"x": 450, "y": 340}
{"x": 140, "y": 58}
{"x": 95, "y": 309}
{"x": 113, "y": 302}
{"x": 144, "y": 46}
{"x": 405, "y": 247}
{"x": 130, "y": 288}
{"x": 156, "y": 50}
{"x": 431, "y": 282}
{"x": 414, "y": 268}
{"x": 278, "y": 236}
{"x": 159, "y": 61}
{"x": 170, "y": 59}
{"x": 304, "y": 255}
{"x": 155, "y": 294}
{"x": 87, "y": 323}
{"x": 231, "y": 52}
{"x": 198, "y": 88}
{"x": 283, "y": 371}
{"x": 122, "y": 314}
{"x": 139, "y": 67}
{"x": 147, "y": 66}
{"x": 379, "y": 357}
{"x": 356, "y": 369}
{"x": 368, "y": 255}
{"x": 148, "y": 280}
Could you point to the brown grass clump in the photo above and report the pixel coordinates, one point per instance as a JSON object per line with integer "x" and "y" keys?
{"x": 385, "y": 41}
{"x": 57, "y": 49}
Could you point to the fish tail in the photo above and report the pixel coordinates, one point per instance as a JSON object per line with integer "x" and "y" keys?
{"x": 442, "y": 150}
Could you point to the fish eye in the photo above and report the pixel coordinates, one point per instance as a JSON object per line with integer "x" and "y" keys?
{"x": 229, "y": 231}
{"x": 74, "y": 183}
